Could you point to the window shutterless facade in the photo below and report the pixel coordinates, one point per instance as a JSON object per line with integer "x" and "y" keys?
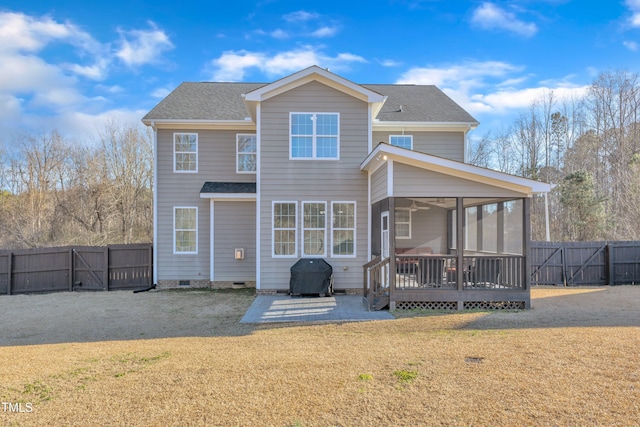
{"x": 343, "y": 215}
{"x": 246, "y": 153}
{"x": 314, "y": 228}
{"x": 403, "y": 223}
{"x": 285, "y": 229}
{"x": 185, "y": 152}
{"x": 185, "y": 230}
{"x": 314, "y": 136}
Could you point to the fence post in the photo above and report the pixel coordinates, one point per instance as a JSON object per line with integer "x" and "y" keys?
{"x": 105, "y": 270}
{"x": 151, "y": 278}
{"x": 609, "y": 266}
{"x": 9, "y": 272}
{"x": 71, "y": 270}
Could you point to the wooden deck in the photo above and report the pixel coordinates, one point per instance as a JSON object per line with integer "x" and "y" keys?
{"x": 433, "y": 282}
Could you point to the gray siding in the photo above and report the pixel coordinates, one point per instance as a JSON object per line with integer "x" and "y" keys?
{"x": 410, "y": 181}
{"x": 235, "y": 227}
{"x": 443, "y": 144}
{"x": 379, "y": 184}
{"x": 312, "y": 180}
{"x": 216, "y": 162}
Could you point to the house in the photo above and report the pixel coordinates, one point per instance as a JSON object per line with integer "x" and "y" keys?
{"x": 251, "y": 177}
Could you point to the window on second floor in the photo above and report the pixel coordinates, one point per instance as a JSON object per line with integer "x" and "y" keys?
{"x": 185, "y": 152}
{"x": 402, "y": 141}
{"x": 246, "y": 153}
{"x": 314, "y": 136}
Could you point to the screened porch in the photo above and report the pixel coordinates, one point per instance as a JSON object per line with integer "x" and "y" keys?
{"x": 449, "y": 253}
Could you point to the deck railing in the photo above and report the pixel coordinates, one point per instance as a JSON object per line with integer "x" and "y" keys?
{"x": 441, "y": 272}
{"x": 376, "y": 282}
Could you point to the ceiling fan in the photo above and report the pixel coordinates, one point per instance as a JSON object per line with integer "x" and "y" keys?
{"x": 414, "y": 207}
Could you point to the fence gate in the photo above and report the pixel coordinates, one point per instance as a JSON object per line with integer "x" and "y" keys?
{"x": 90, "y": 269}
{"x": 80, "y": 268}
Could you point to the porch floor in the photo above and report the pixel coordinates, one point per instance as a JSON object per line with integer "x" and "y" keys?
{"x": 284, "y": 308}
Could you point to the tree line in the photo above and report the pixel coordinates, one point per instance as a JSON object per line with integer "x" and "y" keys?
{"x": 58, "y": 192}
{"x": 588, "y": 147}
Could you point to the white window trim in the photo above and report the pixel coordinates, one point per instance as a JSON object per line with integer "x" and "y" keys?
{"x": 273, "y": 230}
{"x": 401, "y": 136}
{"x": 173, "y": 141}
{"x": 303, "y": 229}
{"x": 313, "y": 138}
{"x": 175, "y": 252}
{"x": 410, "y": 219}
{"x": 238, "y": 154}
{"x": 355, "y": 229}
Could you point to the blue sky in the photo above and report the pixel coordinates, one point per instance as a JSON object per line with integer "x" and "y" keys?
{"x": 71, "y": 65}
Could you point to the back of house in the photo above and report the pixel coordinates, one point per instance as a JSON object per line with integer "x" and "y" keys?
{"x": 251, "y": 177}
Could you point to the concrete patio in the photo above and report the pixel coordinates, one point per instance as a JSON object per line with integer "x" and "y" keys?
{"x": 284, "y": 308}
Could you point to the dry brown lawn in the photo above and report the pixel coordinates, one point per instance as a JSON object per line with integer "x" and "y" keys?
{"x": 573, "y": 360}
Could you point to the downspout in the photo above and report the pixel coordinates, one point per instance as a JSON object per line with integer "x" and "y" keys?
{"x": 155, "y": 202}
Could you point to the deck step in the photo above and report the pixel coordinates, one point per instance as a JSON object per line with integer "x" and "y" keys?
{"x": 380, "y": 302}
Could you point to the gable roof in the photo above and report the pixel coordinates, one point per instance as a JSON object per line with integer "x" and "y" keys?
{"x": 384, "y": 152}
{"x": 233, "y": 102}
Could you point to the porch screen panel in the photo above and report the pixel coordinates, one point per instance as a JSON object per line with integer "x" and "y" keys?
{"x": 314, "y": 221}
{"x": 344, "y": 229}
{"x": 284, "y": 229}
{"x": 513, "y": 243}
{"x": 490, "y": 228}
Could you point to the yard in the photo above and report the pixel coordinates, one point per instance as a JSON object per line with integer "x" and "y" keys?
{"x": 182, "y": 358}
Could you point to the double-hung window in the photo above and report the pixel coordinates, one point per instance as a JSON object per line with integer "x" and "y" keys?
{"x": 343, "y": 216}
{"x": 285, "y": 229}
{"x": 314, "y": 136}
{"x": 246, "y": 153}
{"x": 402, "y": 141}
{"x": 185, "y": 152}
{"x": 185, "y": 230}
{"x": 403, "y": 223}
{"x": 314, "y": 228}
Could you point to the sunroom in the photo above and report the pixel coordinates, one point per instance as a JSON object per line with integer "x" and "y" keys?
{"x": 445, "y": 234}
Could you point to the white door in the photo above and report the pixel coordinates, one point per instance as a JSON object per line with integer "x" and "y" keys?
{"x": 384, "y": 250}
{"x": 384, "y": 238}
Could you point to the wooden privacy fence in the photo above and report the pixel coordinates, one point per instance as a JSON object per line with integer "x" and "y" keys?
{"x": 585, "y": 263}
{"x": 81, "y": 268}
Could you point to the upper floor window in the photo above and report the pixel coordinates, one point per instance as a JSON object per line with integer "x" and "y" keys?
{"x": 246, "y": 153}
{"x": 402, "y": 141}
{"x": 185, "y": 152}
{"x": 314, "y": 136}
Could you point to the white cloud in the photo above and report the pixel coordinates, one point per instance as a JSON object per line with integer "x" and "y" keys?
{"x": 390, "y": 63}
{"x": 325, "y": 32}
{"x": 139, "y": 47}
{"x": 279, "y": 34}
{"x": 488, "y": 16}
{"x": 300, "y": 16}
{"x": 161, "y": 92}
{"x": 632, "y": 46}
{"x": 489, "y": 87}
{"x": 233, "y": 65}
{"x": 634, "y": 8}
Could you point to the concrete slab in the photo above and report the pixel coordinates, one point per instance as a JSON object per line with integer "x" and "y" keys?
{"x": 284, "y": 308}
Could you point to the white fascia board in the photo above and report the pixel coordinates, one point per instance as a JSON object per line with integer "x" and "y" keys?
{"x": 453, "y": 168}
{"x": 424, "y": 126}
{"x": 201, "y": 124}
{"x": 307, "y": 75}
{"x": 230, "y": 197}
